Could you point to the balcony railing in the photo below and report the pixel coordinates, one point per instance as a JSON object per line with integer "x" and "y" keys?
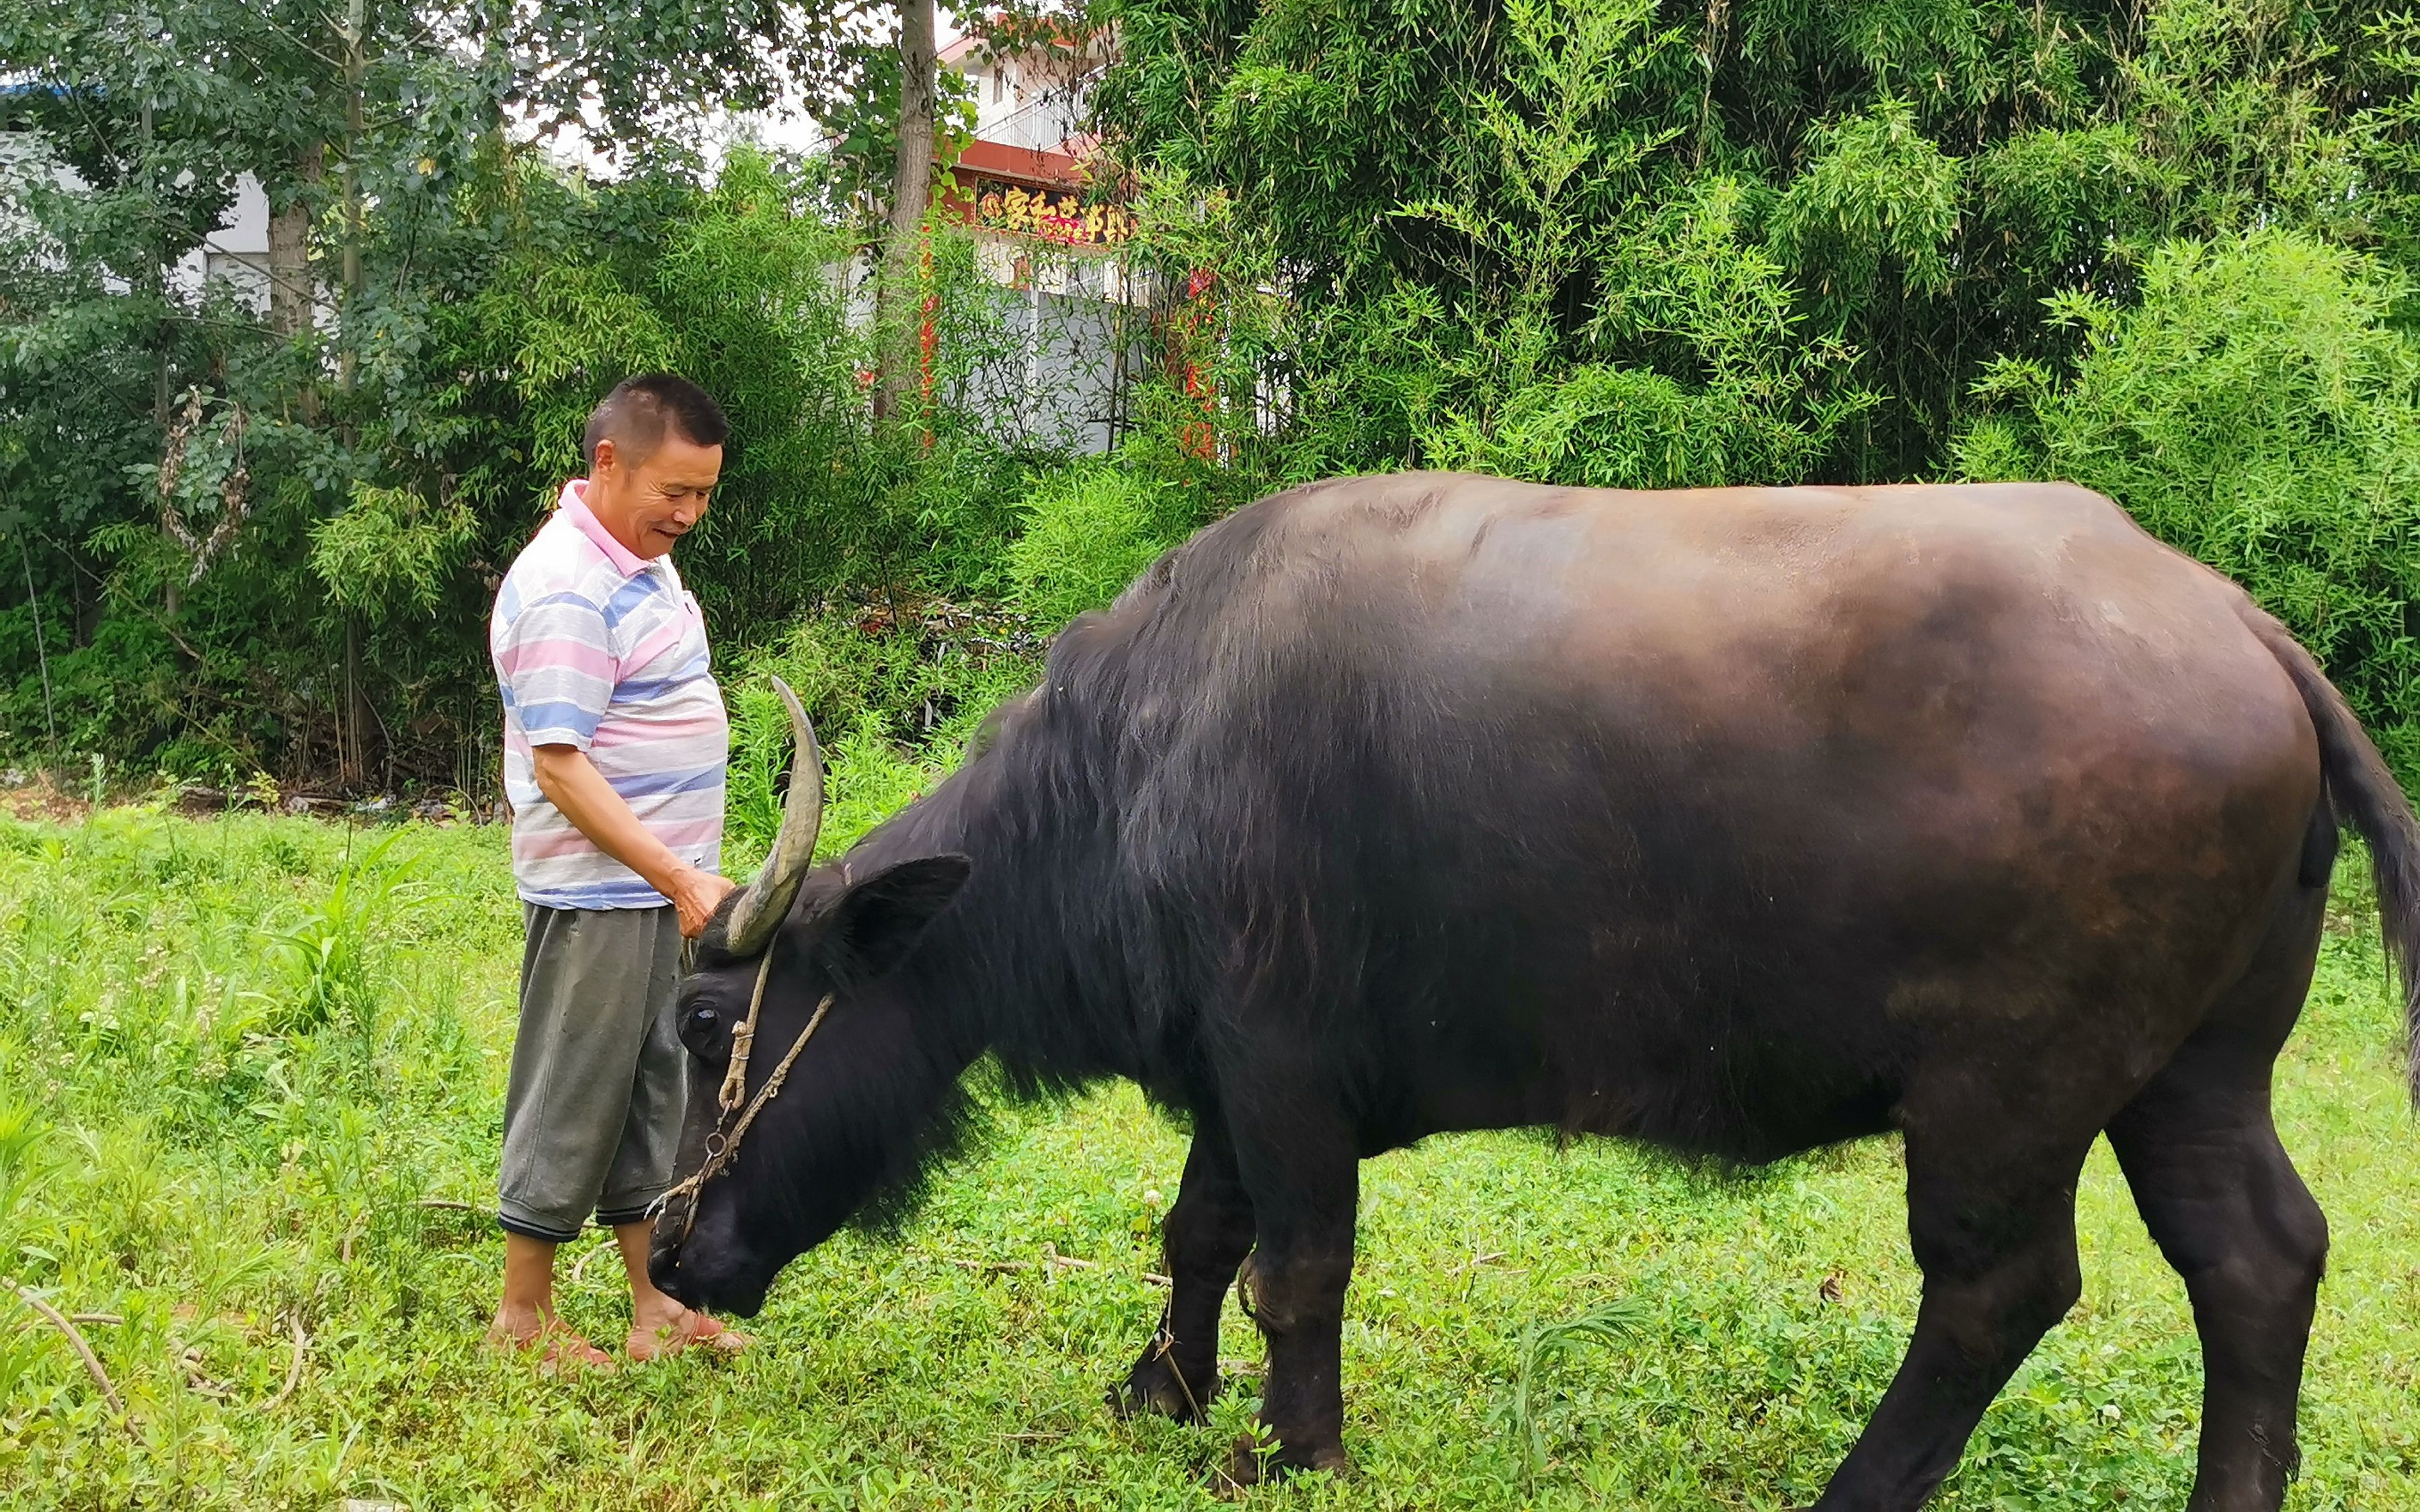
{"x": 1043, "y": 123}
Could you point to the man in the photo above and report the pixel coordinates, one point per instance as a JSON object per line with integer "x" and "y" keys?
{"x": 616, "y": 740}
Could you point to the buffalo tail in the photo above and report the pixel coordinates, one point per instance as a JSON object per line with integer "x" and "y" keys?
{"x": 2367, "y": 796}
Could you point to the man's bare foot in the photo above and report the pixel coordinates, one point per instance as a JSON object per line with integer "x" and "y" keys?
{"x": 558, "y": 1348}
{"x": 658, "y": 1337}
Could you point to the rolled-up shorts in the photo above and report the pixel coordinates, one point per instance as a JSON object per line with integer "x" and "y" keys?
{"x": 593, "y": 1111}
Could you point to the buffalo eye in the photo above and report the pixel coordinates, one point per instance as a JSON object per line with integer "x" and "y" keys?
{"x": 701, "y": 1029}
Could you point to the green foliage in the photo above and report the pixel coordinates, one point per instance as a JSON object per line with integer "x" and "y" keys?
{"x": 565, "y": 326}
{"x": 2386, "y": 133}
{"x": 1587, "y": 241}
{"x": 1919, "y": 177}
{"x": 1683, "y": 293}
{"x": 293, "y": 567}
{"x": 864, "y": 128}
{"x": 1553, "y": 146}
{"x": 894, "y": 691}
{"x": 1090, "y": 531}
{"x": 1610, "y": 427}
{"x": 2242, "y": 102}
{"x": 388, "y": 548}
{"x": 2260, "y": 409}
{"x": 1877, "y": 201}
{"x": 328, "y": 952}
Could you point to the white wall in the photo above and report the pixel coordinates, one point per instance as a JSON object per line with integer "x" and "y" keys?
{"x": 236, "y": 254}
{"x": 1025, "y": 102}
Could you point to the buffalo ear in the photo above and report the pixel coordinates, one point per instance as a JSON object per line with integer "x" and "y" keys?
{"x": 870, "y": 928}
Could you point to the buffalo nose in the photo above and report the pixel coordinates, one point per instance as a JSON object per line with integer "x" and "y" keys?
{"x": 664, "y": 1269}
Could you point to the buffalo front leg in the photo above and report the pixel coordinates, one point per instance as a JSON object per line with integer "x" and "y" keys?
{"x": 1204, "y": 1237}
{"x": 1995, "y": 1239}
{"x": 1305, "y": 1189}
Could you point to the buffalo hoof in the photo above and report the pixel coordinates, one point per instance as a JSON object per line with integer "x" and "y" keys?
{"x": 1154, "y": 1386}
{"x": 1248, "y": 1466}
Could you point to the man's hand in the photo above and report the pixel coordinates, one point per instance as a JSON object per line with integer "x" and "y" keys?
{"x": 696, "y": 894}
{"x": 572, "y": 784}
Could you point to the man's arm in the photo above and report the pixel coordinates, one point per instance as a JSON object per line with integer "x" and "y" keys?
{"x": 573, "y": 784}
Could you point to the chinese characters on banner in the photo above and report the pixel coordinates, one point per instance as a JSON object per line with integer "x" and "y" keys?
{"x": 1062, "y": 218}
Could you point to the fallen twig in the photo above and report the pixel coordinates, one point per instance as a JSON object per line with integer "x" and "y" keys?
{"x": 198, "y": 1380}
{"x": 580, "y": 1266}
{"x": 1051, "y": 1260}
{"x": 448, "y": 1204}
{"x": 294, "y": 1371}
{"x": 1152, "y": 1278}
{"x": 1468, "y": 1269}
{"x": 89, "y": 1319}
{"x": 1168, "y": 1342}
{"x": 75, "y": 1336}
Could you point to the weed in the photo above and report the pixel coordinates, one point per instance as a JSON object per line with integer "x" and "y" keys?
{"x": 1543, "y": 1344}
{"x": 326, "y": 949}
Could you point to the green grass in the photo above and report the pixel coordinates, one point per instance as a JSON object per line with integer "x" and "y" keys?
{"x": 237, "y": 1054}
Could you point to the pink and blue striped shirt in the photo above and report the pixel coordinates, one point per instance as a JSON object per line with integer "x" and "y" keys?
{"x": 601, "y": 651}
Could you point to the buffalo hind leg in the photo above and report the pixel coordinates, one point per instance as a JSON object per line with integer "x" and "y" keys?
{"x": 1204, "y": 1237}
{"x": 2224, "y": 1206}
{"x": 1304, "y": 1188}
{"x": 1995, "y": 1239}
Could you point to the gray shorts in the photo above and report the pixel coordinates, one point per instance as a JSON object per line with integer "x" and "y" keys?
{"x": 593, "y": 1112}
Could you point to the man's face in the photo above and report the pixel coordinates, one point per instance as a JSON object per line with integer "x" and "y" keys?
{"x": 650, "y": 504}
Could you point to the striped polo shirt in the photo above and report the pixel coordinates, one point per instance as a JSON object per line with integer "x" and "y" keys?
{"x": 599, "y": 649}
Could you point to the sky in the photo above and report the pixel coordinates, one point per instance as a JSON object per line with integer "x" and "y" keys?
{"x": 787, "y": 128}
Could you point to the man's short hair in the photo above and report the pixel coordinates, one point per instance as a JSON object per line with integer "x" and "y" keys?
{"x": 635, "y": 414}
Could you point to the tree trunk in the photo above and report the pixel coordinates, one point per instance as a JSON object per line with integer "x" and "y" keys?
{"x": 352, "y": 759}
{"x": 356, "y": 70}
{"x": 171, "y": 600}
{"x": 352, "y": 746}
{"x": 290, "y": 252}
{"x": 897, "y": 302}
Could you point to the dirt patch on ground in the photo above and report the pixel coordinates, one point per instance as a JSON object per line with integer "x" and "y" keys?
{"x": 39, "y": 797}
{"x": 34, "y": 799}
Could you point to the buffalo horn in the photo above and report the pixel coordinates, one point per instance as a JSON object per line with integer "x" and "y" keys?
{"x": 760, "y": 909}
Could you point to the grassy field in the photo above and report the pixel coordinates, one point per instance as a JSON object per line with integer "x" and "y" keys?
{"x": 242, "y": 1060}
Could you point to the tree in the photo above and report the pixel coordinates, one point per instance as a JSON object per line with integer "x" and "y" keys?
{"x": 1920, "y": 180}
{"x": 912, "y": 195}
{"x": 181, "y": 441}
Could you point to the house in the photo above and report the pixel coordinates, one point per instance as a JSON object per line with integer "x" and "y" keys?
{"x": 235, "y": 255}
{"x": 1024, "y": 185}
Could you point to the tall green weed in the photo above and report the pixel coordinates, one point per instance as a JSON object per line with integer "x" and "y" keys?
{"x": 894, "y": 691}
{"x": 1088, "y": 531}
{"x": 327, "y": 949}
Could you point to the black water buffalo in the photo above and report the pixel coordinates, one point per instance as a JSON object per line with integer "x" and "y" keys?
{"x": 1738, "y": 821}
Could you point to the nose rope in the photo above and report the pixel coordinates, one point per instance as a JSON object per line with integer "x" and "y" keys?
{"x": 735, "y": 1080}
{"x": 722, "y": 1147}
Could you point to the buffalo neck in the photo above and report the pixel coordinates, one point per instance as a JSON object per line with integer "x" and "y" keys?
{"x": 1027, "y": 962}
